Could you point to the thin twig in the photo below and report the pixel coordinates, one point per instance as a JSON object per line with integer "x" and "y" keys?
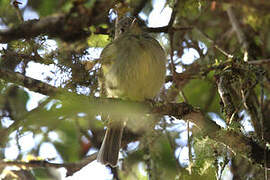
{"x": 149, "y": 164}
{"x": 115, "y": 173}
{"x": 223, "y": 52}
{"x": 165, "y": 29}
{"x": 189, "y": 149}
{"x": 183, "y": 95}
{"x": 19, "y": 14}
{"x": 172, "y": 145}
{"x": 237, "y": 28}
{"x": 214, "y": 44}
{"x": 171, "y": 34}
{"x": 226, "y": 161}
{"x": 240, "y": 34}
{"x": 170, "y": 24}
{"x": 262, "y": 129}
{"x": 259, "y": 62}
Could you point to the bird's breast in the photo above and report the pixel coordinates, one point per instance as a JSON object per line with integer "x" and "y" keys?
{"x": 138, "y": 69}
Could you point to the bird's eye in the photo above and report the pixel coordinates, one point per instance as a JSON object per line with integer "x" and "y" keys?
{"x": 122, "y": 30}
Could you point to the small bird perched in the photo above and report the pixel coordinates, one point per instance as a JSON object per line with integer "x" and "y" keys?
{"x": 133, "y": 68}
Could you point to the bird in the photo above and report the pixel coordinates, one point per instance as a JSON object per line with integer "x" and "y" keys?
{"x": 133, "y": 67}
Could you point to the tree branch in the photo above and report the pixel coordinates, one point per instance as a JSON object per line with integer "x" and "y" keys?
{"x": 30, "y": 83}
{"x": 70, "y": 167}
{"x": 236, "y": 142}
{"x": 240, "y": 34}
{"x": 136, "y": 10}
{"x": 259, "y": 62}
{"x": 52, "y": 26}
{"x": 67, "y": 27}
{"x": 165, "y": 29}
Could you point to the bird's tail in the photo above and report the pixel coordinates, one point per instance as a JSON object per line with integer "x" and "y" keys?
{"x": 108, "y": 153}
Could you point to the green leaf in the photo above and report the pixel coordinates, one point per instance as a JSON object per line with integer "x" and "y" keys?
{"x": 202, "y": 92}
{"x": 69, "y": 147}
{"x": 98, "y": 40}
{"x": 47, "y": 7}
{"x": 42, "y": 174}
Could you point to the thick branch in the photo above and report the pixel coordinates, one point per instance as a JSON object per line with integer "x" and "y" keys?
{"x": 235, "y": 141}
{"x": 68, "y": 27}
{"x": 65, "y": 26}
{"x": 70, "y": 167}
{"x": 30, "y": 83}
{"x": 52, "y": 26}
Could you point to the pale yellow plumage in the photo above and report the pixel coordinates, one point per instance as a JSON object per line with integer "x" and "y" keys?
{"x": 133, "y": 67}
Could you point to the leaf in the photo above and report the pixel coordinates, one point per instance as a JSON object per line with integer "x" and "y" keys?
{"x": 69, "y": 147}
{"x": 44, "y": 173}
{"x": 202, "y": 92}
{"x": 47, "y": 7}
{"x": 98, "y": 40}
